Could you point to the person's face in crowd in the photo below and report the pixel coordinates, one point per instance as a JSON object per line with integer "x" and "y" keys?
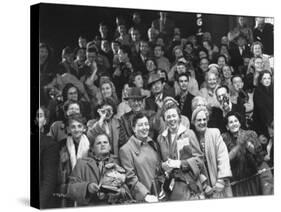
{"x": 72, "y": 94}
{"x": 136, "y": 104}
{"x": 257, "y": 50}
{"x": 224, "y": 40}
{"x": 150, "y": 66}
{"x": 221, "y": 94}
{"x": 201, "y": 103}
{"x": 43, "y": 55}
{"x": 200, "y": 122}
{"x": 103, "y": 30}
{"x": 188, "y": 48}
{"x": 221, "y": 62}
{"x": 144, "y": 48}
{"x": 241, "y": 42}
{"x": 41, "y": 119}
{"x": 160, "y": 41}
{"x": 178, "y": 53}
{"x": 226, "y": 71}
{"x": 260, "y": 22}
{"x": 141, "y": 129}
{"x": 152, "y": 34}
{"x": 233, "y": 124}
{"x": 82, "y": 42}
{"x": 258, "y": 64}
{"x": 101, "y": 145}
{"x": 136, "y": 18}
{"x": 202, "y": 54}
{"x": 181, "y": 68}
{"x": 193, "y": 40}
{"x": 158, "y": 52}
{"x": 69, "y": 57}
{"x": 157, "y": 87}
{"x": 115, "y": 47}
{"x": 73, "y": 109}
{"x": 138, "y": 81}
{"x": 183, "y": 83}
{"x": 237, "y": 83}
{"x": 177, "y": 37}
{"x": 204, "y": 63}
{"x": 122, "y": 56}
{"x": 81, "y": 55}
{"x": 76, "y": 129}
{"x": 105, "y": 46}
{"x": 122, "y": 29}
{"x": 224, "y": 50}
{"x": 125, "y": 91}
{"x": 212, "y": 81}
{"x": 91, "y": 56}
{"x": 172, "y": 119}
{"x": 266, "y": 80}
{"x": 241, "y": 21}
{"x": 135, "y": 35}
{"x": 177, "y": 31}
{"x": 106, "y": 90}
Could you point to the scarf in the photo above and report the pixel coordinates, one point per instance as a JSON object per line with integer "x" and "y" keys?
{"x": 82, "y": 151}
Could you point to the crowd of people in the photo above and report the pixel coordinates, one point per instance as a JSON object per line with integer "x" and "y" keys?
{"x": 144, "y": 114}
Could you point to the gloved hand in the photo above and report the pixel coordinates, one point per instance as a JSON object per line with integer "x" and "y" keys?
{"x": 93, "y": 188}
{"x": 219, "y": 186}
{"x": 174, "y": 163}
{"x": 150, "y": 198}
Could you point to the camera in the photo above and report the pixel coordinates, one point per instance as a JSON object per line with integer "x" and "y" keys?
{"x": 225, "y": 99}
{"x": 107, "y": 111}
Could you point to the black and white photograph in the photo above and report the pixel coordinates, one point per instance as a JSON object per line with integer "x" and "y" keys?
{"x": 144, "y": 106}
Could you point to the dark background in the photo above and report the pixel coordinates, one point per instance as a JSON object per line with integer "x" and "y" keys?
{"x": 61, "y": 25}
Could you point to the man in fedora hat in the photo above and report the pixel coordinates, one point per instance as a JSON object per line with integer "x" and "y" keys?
{"x": 136, "y": 102}
{"x": 156, "y": 84}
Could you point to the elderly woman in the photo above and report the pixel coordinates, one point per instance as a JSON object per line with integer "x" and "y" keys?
{"x": 256, "y": 49}
{"x": 184, "y": 172}
{"x": 141, "y": 161}
{"x": 209, "y": 92}
{"x": 245, "y": 154}
{"x": 89, "y": 186}
{"x": 75, "y": 146}
{"x": 106, "y": 123}
{"x": 213, "y": 150}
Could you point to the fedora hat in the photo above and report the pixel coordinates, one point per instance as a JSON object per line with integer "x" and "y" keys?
{"x": 154, "y": 77}
{"x": 134, "y": 93}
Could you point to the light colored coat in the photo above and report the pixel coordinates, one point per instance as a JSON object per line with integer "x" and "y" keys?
{"x": 216, "y": 156}
{"x": 141, "y": 162}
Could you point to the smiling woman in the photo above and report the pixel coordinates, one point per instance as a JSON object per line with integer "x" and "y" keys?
{"x": 213, "y": 150}
{"x": 184, "y": 171}
{"x": 140, "y": 159}
{"x": 75, "y": 146}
